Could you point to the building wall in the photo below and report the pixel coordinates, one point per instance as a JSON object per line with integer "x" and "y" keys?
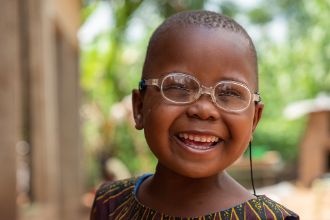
{"x": 9, "y": 105}
{"x": 40, "y": 104}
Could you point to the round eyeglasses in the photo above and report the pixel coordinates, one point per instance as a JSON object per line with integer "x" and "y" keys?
{"x": 180, "y": 88}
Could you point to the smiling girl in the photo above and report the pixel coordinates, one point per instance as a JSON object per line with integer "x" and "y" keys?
{"x": 198, "y": 104}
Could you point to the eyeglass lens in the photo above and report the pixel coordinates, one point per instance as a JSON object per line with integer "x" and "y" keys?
{"x": 229, "y": 95}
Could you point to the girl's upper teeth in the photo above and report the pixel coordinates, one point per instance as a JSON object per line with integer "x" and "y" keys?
{"x": 199, "y": 138}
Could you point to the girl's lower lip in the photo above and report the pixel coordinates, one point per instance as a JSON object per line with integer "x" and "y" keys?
{"x": 191, "y": 148}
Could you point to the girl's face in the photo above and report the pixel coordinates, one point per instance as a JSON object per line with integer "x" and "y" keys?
{"x": 210, "y": 55}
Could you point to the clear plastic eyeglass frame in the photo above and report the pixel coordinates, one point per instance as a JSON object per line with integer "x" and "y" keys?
{"x": 253, "y": 97}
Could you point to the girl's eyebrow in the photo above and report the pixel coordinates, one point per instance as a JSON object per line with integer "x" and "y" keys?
{"x": 233, "y": 79}
{"x": 163, "y": 74}
{"x": 176, "y": 71}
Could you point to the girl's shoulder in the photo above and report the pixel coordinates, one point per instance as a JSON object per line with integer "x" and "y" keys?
{"x": 266, "y": 208}
{"x": 112, "y": 188}
{"x": 111, "y": 195}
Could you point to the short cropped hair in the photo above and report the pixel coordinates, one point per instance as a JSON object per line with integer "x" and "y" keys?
{"x": 206, "y": 19}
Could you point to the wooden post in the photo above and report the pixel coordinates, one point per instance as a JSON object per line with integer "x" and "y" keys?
{"x": 70, "y": 149}
{"x": 56, "y": 149}
{"x": 9, "y": 105}
{"x": 313, "y": 148}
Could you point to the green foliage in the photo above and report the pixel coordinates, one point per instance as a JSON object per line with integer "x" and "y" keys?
{"x": 229, "y": 8}
{"x": 169, "y": 7}
{"x": 87, "y": 11}
{"x": 260, "y": 15}
{"x": 293, "y": 70}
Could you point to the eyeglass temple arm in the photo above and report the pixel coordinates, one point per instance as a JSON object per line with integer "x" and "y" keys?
{"x": 148, "y": 82}
{"x": 256, "y": 97}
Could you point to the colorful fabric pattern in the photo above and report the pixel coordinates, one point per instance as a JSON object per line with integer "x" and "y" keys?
{"x": 117, "y": 201}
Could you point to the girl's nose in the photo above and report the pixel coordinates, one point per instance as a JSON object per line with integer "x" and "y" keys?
{"x": 203, "y": 109}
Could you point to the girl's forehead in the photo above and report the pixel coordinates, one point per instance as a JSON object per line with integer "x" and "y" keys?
{"x": 208, "y": 54}
{"x": 195, "y": 35}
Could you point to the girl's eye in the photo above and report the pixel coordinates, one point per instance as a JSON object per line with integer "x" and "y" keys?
{"x": 229, "y": 93}
{"x": 177, "y": 87}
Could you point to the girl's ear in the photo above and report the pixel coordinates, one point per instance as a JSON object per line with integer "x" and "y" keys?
{"x": 257, "y": 114}
{"x": 137, "y": 101}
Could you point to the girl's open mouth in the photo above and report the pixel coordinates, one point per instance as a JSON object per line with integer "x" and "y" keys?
{"x": 198, "y": 142}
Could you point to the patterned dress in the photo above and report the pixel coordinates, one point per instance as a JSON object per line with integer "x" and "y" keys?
{"x": 117, "y": 200}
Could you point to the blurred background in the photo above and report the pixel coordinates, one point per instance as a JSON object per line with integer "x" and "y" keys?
{"x": 67, "y": 69}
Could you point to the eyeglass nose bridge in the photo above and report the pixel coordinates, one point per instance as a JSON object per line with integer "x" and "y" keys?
{"x": 206, "y": 90}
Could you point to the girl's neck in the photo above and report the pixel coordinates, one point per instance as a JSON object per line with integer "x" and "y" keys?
{"x": 177, "y": 195}
{"x": 170, "y": 181}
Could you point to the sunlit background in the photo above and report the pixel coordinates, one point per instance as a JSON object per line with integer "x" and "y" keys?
{"x": 68, "y": 68}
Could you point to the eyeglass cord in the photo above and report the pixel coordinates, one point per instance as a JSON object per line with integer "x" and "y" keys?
{"x": 251, "y": 169}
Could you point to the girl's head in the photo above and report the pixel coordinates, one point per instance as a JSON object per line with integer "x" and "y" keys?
{"x": 199, "y": 120}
